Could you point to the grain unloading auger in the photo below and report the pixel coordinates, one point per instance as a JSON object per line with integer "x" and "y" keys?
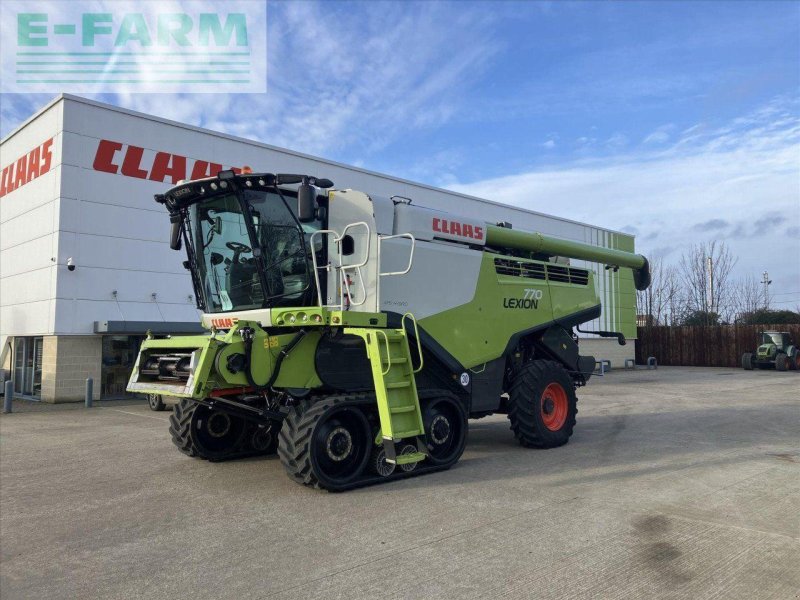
{"x": 355, "y": 336}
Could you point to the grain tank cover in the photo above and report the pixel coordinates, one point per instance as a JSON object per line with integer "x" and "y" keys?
{"x": 427, "y": 224}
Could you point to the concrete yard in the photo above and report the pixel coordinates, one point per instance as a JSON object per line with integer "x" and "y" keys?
{"x": 678, "y": 483}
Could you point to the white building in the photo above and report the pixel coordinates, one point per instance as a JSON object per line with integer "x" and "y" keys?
{"x": 78, "y": 180}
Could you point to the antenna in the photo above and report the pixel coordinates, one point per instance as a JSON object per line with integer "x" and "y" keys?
{"x": 766, "y": 281}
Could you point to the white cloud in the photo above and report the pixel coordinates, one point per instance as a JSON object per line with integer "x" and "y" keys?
{"x": 659, "y": 136}
{"x": 549, "y": 144}
{"x": 617, "y": 141}
{"x": 746, "y": 174}
{"x": 388, "y": 69}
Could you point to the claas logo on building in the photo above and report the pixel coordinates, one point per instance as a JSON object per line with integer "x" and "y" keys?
{"x": 27, "y": 167}
{"x": 118, "y": 158}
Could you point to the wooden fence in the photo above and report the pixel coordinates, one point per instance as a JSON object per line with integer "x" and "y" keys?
{"x": 700, "y": 346}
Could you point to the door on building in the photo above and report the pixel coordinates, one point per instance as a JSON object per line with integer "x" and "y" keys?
{"x": 119, "y": 356}
{"x": 28, "y": 366}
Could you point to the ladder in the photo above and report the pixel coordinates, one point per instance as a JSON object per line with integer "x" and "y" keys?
{"x": 395, "y": 388}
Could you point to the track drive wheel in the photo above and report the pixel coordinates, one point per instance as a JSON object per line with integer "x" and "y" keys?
{"x": 205, "y": 433}
{"x": 326, "y": 442}
{"x": 782, "y": 362}
{"x": 446, "y": 427}
{"x": 263, "y": 439}
{"x": 542, "y": 405}
{"x": 155, "y": 402}
{"x": 747, "y": 361}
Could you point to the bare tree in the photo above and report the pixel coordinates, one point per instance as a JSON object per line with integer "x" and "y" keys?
{"x": 749, "y": 297}
{"x": 674, "y": 298}
{"x": 705, "y": 270}
{"x": 658, "y": 302}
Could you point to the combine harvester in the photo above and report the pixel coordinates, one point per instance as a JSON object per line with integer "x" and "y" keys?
{"x": 359, "y": 356}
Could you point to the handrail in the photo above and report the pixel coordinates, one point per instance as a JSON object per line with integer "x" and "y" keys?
{"x": 346, "y": 286}
{"x": 388, "y": 352}
{"x": 314, "y": 262}
{"x": 337, "y": 240}
{"x": 410, "y": 255}
{"x": 416, "y": 336}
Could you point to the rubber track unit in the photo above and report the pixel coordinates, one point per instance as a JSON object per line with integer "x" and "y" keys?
{"x": 295, "y": 437}
{"x": 524, "y": 404}
{"x": 180, "y": 428}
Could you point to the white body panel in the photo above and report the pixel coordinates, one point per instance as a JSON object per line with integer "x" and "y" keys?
{"x": 442, "y": 276}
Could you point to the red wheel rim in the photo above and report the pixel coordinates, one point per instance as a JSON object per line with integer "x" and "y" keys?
{"x": 554, "y": 406}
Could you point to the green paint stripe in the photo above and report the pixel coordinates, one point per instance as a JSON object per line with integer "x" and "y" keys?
{"x": 133, "y": 54}
{"x": 63, "y": 29}
{"x": 131, "y": 62}
{"x": 159, "y": 72}
{"x": 133, "y": 81}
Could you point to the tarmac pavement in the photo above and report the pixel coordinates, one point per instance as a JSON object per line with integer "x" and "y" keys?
{"x": 678, "y": 483}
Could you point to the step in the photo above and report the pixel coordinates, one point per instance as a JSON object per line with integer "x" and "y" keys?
{"x": 402, "y": 409}
{"x": 398, "y": 385}
{"x": 399, "y": 435}
{"x": 411, "y": 457}
{"x": 396, "y": 361}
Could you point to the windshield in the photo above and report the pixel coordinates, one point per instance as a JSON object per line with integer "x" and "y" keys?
{"x": 772, "y": 338}
{"x": 229, "y": 259}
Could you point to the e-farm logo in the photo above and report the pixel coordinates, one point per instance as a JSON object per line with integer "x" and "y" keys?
{"x": 146, "y": 46}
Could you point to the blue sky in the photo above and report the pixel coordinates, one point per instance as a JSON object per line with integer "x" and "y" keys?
{"x": 676, "y": 121}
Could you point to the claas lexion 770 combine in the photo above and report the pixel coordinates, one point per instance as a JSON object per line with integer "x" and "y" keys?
{"x": 355, "y": 335}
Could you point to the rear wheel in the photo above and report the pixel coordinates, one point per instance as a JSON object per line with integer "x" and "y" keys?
{"x": 747, "y": 361}
{"x": 155, "y": 402}
{"x": 782, "y": 362}
{"x": 542, "y": 405}
{"x": 326, "y": 442}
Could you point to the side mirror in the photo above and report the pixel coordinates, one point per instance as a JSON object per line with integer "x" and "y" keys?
{"x": 306, "y": 203}
{"x": 175, "y": 232}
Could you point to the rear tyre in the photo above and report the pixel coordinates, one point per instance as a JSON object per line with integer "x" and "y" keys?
{"x": 202, "y": 432}
{"x": 326, "y": 442}
{"x": 155, "y": 402}
{"x": 782, "y": 362}
{"x": 542, "y": 405}
{"x": 747, "y": 361}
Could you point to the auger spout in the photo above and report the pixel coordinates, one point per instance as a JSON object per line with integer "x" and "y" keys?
{"x": 503, "y": 237}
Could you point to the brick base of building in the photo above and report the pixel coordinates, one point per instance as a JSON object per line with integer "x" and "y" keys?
{"x": 67, "y": 361}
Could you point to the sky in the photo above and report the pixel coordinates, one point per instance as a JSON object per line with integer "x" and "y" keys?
{"x": 678, "y": 122}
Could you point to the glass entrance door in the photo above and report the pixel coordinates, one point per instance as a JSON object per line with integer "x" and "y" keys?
{"x": 20, "y": 347}
{"x": 38, "y": 346}
{"x": 28, "y": 365}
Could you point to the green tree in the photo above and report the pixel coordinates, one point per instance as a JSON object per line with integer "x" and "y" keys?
{"x": 700, "y": 317}
{"x": 766, "y": 316}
